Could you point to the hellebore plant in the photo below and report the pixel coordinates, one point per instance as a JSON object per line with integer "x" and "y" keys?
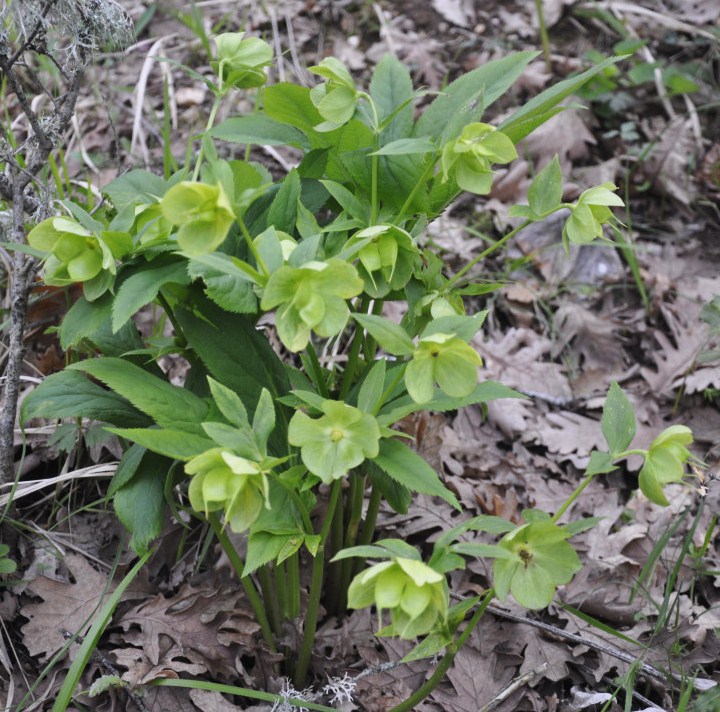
{"x": 235, "y": 258}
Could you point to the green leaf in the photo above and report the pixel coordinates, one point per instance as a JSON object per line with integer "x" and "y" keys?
{"x": 143, "y": 286}
{"x": 140, "y": 504}
{"x": 396, "y": 495}
{"x": 69, "y": 394}
{"x": 260, "y": 130}
{"x": 84, "y": 319}
{"x": 230, "y": 287}
{"x": 483, "y": 392}
{"x": 618, "y": 420}
{"x": 238, "y": 356}
{"x": 372, "y": 387}
{"x": 391, "y": 337}
{"x": 135, "y": 187}
{"x": 544, "y": 105}
{"x": 405, "y": 146}
{"x": 582, "y": 525}
{"x": 347, "y": 200}
{"x": 290, "y": 104}
{"x": 545, "y": 192}
{"x": 169, "y": 406}
{"x": 282, "y": 213}
{"x": 600, "y": 462}
{"x": 126, "y": 469}
{"x": 176, "y": 444}
{"x": 482, "y": 551}
{"x": 391, "y": 88}
{"x": 493, "y": 79}
{"x": 412, "y": 471}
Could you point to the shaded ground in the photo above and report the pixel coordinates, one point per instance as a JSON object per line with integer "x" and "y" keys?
{"x": 560, "y": 331}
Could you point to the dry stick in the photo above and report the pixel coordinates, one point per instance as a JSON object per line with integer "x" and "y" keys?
{"x": 24, "y": 266}
{"x": 22, "y": 274}
{"x": 649, "y": 670}
{"x": 516, "y": 684}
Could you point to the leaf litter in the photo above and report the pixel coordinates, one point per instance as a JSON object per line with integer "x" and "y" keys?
{"x": 519, "y": 453}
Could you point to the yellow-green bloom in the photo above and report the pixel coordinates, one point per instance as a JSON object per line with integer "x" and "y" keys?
{"x": 541, "y": 559}
{"x": 415, "y": 594}
{"x": 311, "y": 298}
{"x": 471, "y": 155}
{"x": 331, "y": 445}
{"x": 240, "y": 62}
{"x": 590, "y": 213}
{"x": 387, "y": 257}
{"x": 203, "y": 212}
{"x": 336, "y": 98}
{"x": 665, "y": 462}
{"x": 75, "y": 253}
{"x": 222, "y": 480}
{"x": 444, "y": 359}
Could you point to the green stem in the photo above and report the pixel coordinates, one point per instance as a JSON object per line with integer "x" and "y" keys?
{"x": 315, "y": 591}
{"x": 250, "y": 590}
{"x": 568, "y": 502}
{"x": 354, "y": 352}
{"x": 252, "y": 247}
{"x": 211, "y": 121}
{"x": 371, "y": 516}
{"x": 544, "y": 37}
{"x": 171, "y": 315}
{"x": 316, "y": 370}
{"x": 293, "y": 569}
{"x": 374, "y": 158}
{"x": 452, "y": 649}
{"x": 355, "y": 500}
{"x": 270, "y": 595}
{"x": 423, "y": 179}
{"x": 495, "y": 246}
{"x": 281, "y": 582}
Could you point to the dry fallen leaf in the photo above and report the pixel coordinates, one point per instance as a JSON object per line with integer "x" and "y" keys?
{"x": 66, "y": 607}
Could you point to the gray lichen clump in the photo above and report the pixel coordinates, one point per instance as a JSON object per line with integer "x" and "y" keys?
{"x": 75, "y": 28}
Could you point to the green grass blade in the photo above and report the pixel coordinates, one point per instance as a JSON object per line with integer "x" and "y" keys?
{"x": 91, "y": 639}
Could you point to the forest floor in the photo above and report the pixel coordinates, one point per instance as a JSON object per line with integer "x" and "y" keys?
{"x": 561, "y": 329}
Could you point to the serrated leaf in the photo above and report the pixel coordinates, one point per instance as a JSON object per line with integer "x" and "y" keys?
{"x": 260, "y": 130}
{"x": 407, "y": 146}
{"x": 391, "y": 337}
{"x": 169, "y": 406}
{"x": 409, "y": 469}
{"x": 84, "y": 319}
{"x": 69, "y": 394}
{"x": 176, "y": 444}
{"x": 544, "y": 106}
{"x": 372, "y": 387}
{"x": 140, "y": 503}
{"x": 493, "y": 79}
{"x": 143, "y": 286}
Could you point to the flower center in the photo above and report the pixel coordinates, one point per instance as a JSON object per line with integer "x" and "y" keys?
{"x": 336, "y": 434}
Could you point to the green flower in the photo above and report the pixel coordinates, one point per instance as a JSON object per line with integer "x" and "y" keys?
{"x": 311, "y": 298}
{"x": 415, "y": 595}
{"x": 387, "y": 256}
{"x": 204, "y": 213}
{"x": 150, "y": 224}
{"x": 240, "y": 62}
{"x": 75, "y": 253}
{"x": 590, "y": 213}
{"x": 342, "y": 438}
{"x": 223, "y": 481}
{"x": 541, "y": 560}
{"x": 336, "y": 98}
{"x": 444, "y": 359}
{"x": 665, "y": 462}
{"x": 472, "y": 154}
